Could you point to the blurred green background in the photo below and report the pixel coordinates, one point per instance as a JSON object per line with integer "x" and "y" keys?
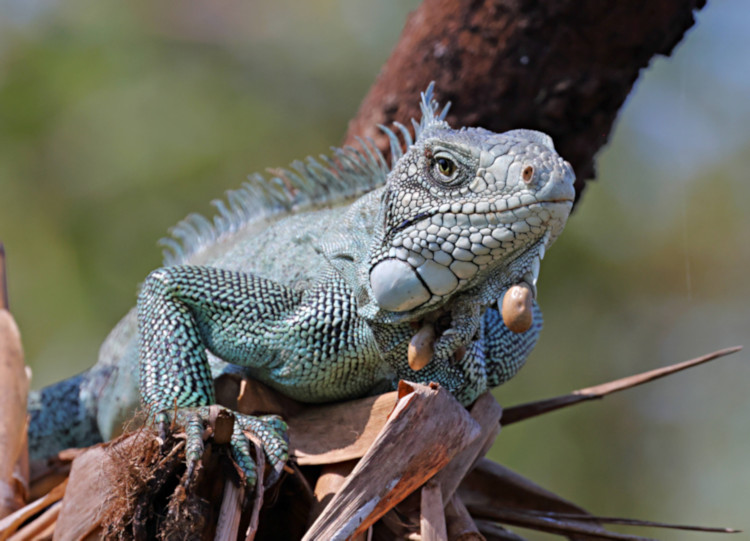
{"x": 118, "y": 119}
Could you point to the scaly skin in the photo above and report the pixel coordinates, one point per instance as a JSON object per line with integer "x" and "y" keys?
{"x": 319, "y": 304}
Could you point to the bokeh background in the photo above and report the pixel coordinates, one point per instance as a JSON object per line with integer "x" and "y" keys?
{"x": 117, "y": 119}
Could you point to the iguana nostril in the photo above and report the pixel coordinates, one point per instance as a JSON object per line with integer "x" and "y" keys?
{"x": 528, "y": 174}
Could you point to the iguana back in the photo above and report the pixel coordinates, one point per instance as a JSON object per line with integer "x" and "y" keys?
{"x": 254, "y": 224}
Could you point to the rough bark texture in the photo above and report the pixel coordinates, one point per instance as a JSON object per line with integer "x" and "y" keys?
{"x": 562, "y": 67}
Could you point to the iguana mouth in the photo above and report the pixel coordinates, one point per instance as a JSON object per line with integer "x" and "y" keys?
{"x": 406, "y": 223}
{"x": 541, "y": 202}
{"x": 489, "y": 212}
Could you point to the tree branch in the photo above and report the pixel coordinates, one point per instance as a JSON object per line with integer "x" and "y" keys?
{"x": 562, "y": 67}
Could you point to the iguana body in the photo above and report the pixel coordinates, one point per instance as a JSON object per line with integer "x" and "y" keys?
{"x": 313, "y": 288}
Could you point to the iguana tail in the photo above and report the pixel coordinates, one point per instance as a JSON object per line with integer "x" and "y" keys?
{"x": 62, "y": 415}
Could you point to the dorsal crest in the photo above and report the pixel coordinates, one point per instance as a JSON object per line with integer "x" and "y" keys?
{"x": 326, "y": 180}
{"x": 432, "y": 115}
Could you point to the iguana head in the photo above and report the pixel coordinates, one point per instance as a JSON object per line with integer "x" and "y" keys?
{"x": 465, "y": 210}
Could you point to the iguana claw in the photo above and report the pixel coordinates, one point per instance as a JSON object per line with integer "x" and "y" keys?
{"x": 270, "y": 430}
{"x": 466, "y": 319}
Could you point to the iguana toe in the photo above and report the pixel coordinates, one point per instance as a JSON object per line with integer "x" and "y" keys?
{"x": 268, "y": 431}
{"x": 271, "y": 430}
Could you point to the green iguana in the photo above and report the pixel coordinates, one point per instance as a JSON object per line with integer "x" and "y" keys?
{"x": 312, "y": 283}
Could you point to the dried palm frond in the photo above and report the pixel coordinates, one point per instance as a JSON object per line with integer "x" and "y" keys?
{"x": 403, "y": 465}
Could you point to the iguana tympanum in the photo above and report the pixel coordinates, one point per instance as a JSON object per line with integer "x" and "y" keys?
{"x": 312, "y": 282}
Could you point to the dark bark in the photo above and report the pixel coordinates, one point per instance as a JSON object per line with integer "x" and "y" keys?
{"x": 562, "y": 67}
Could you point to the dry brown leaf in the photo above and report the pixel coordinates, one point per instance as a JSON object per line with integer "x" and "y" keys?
{"x": 89, "y": 489}
{"x": 532, "y": 409}
{"x": 338, "y": 432}
{"x": 426, "y": 430}
{"x": 461, "y": 527}
{"x": 432, "y": 515}
{"x": 228, "y": 524}
{"x": 10, "y": 524}
{"x": 41, "y": 527}
{"x": 14, "y": 388}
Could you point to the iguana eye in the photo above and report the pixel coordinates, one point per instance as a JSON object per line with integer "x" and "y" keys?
{"x": 445, "y": 166}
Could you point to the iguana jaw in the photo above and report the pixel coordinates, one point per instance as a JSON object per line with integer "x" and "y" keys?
{"x": 524, "y": 269}
{"x": 408, "y": 293}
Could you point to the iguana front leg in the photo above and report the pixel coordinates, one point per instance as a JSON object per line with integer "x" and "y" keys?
{"x": 182, "y": 311}
{"x": 466, "y": 318}
{"x": 478, "y": 352}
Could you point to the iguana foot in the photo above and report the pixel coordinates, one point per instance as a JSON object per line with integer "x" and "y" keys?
{"x": 269, "y": 430}
{"x": 451, "y": 345}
